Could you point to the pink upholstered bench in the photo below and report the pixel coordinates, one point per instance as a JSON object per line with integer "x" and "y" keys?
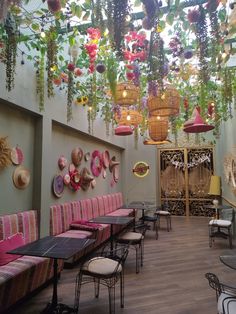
{"x": 24, "y": 274}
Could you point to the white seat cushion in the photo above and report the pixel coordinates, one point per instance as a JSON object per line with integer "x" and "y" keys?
{"x": 220, "y": 222}
{"x": 129, "y": 236}
{"x": 102, "y": 266}
{"x": 162, "y": 212}
{"x": 228, "y": 303}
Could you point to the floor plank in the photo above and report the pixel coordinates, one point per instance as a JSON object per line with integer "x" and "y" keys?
{"x": 171, "y": 282}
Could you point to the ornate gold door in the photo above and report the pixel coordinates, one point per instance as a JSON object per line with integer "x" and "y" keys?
{"x": 184, "y": 178}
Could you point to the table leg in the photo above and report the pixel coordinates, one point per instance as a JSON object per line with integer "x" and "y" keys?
{"x": 111, "y": 237}
{"x": 54, "y": 307}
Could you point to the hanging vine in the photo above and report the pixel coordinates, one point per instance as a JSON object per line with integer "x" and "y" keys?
{"x": 40, "y": 81}
{"x": 52, "y": 50}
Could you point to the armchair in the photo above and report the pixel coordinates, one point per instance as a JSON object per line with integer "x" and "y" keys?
{"x": 225, "y": 295}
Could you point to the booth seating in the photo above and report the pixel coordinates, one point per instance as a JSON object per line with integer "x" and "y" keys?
{"x": 20, "y": 275}
{"x": 71, "y": 219}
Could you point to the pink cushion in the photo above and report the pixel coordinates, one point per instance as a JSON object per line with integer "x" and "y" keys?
{"x": 85, "y": 225}
{"x": 9, "y": 244}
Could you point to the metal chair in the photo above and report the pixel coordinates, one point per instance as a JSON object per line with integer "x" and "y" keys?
{"x": 222, "y": 227}
{"x": 135, "y": 239}
{"x": 162, "y": 212}
{"x": 225, "y": 295}
{"x": 106, "y": 269}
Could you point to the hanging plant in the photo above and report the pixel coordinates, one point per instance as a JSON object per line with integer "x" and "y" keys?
{"x": 198, "y": 19}
{"x": 52, "y": 50}
{"x": 40, "y": 80}
{"x": 214, "y": 31}
{"x": 10, "y": 51}
{"x": 70, "y": 90}
{"x": 5, "y": 151}
{"x": 117, "y": 10}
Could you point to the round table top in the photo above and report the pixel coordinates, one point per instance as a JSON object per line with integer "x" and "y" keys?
{"x": 218, "y": 206}
{"x": 229, "y": 260}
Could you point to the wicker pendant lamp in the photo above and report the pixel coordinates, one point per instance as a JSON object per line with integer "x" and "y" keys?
{"x": 165, "y": 103}
{"x": 128, "y": 117}
{"x": 126, "y": 94}
{"x": 158, "y": 128}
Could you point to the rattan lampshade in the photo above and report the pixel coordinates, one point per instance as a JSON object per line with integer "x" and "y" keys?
{"x": 158, "y": 128}
{"x": 127, "y": 94}
{"x": 165, "y": 103}
{"x": 128, "y": 117}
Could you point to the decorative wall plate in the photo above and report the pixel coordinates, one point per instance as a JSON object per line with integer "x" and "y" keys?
{"x": 96, "y": 163}
{"x": 17, "y": 156}
{"x": 141, "y": 169}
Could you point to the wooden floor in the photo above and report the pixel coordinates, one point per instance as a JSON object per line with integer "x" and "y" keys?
{"x": 171, "y": 281}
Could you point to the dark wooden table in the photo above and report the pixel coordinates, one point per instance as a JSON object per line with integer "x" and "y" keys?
{"x": 56, "y": 248}
{"x": 112, "y": 220}
{"x": 139, "y": 205}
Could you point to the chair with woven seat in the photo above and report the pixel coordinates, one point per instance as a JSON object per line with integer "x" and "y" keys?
{"x": 162, "y": 212}
{"x": 225, "y": 295}
{"x": 106, "y": 269}
{"x": 135, "y": 239}
{"x": 222, "y": 227}
{"x": 147, "y": 218}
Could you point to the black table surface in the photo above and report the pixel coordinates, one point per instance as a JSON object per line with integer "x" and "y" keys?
{"x": 114, "y": 220}
{"x": 53, "y": 247}
{"x": 229, "y": 260}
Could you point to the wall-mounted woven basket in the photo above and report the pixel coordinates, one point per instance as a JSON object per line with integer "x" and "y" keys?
{"x": 158, "y": 128}
{"x": 166, "y": 103}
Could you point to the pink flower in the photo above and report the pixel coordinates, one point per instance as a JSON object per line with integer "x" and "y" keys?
{"x": 94, "y": 33}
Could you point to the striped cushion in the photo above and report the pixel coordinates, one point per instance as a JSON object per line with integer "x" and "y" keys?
{"x": 28, "y": 225}
{"x": 9, "y": 225}
{"x": 66, "y": 216}
{"x": 122, "y": 212}
{"x": 95, "y": 207}
{"x": 86, "y": 209}
{"x": 101, "y": 206}
{"x": 76, "y": 210}
{"x": 56, "y": 226}
{"x": 22, "y": 276}
{"x": 80, "y": 234}
{"x": 106, "y": 204}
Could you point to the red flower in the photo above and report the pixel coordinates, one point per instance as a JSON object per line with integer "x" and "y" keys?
{"x": 129, "y": 66}
{"x": 130, "y": 76}
{"x": 91, "y": 68}
{"x": 71, "y": 67}
{"x": 78, "y": 72}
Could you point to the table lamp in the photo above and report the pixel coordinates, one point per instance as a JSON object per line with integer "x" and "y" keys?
{"x": 215, "y": 189}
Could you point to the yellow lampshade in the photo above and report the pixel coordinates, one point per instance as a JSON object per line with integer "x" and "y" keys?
{"x": 215, "y": 186}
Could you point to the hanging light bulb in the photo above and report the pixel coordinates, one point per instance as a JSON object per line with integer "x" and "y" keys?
{"x": 163, "y": 96}
{"x": 158, "y": 118}
{"x": 42, "y": 34}
{"x": 124, "y": 93}
{"x": 224, "y": 55}
{"x": 128, "y": 117}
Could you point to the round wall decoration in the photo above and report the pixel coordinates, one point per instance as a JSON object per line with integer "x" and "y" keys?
{"x": 141, "y": 169}
{"x": 96, "y": 163}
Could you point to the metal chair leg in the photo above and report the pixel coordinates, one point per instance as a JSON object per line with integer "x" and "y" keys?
{"x": 122, "y": 289}
{"x": 96, "y": 287}
{"x": 77, "y": 292}
{"x": 111, "y": 292}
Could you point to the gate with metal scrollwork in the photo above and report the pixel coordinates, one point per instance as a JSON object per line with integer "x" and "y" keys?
{"x": 184, "y": 177}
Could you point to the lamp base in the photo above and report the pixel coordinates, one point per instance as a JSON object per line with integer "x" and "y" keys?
{"x": 215, "y": 202}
